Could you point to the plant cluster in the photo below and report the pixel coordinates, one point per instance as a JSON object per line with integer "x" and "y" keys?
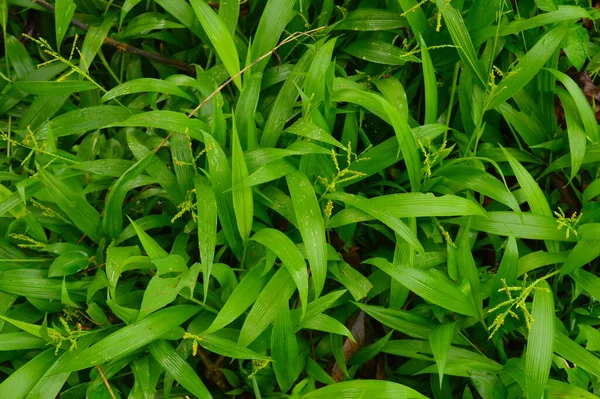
{"x": 299, "y": 199}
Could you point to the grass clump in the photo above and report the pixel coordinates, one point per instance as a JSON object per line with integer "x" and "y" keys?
{"x": 299, "y": 199}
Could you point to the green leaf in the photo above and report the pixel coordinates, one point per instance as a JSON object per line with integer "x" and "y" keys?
{"x": 151, "y": 247}
{"x": 207, "y": 227}
{"x": 430, "y": 285}
{"x": 440, "y": 339}
{"x": 405, "y": 322}
{"x": 177, "y": 367}
{"x": 225, "y": 347}
{"x": 409, "y": 205}
{"x": 68, "y": 263}
{"x": 304, "y": 128}
{"x": 113, "y": 217}
{"x": 276, "y": 15}
{"x": 284, "y": 349}
{"x": 85, "y": 217}
{"x": 538, "y": 359}
{"x": 83, "y": 120}
{"x": 241, "y": 298}
{"x": 243, "y": 205}
{"x": 371, "y": 389}
{"x": 381, "y": 214}
{"x": 277, "y": 291}
{"x": 469, "y": 272}
{"x": 581, "y": 104}
{"x": 462, "y": 39}
{"x": 575, "y": 45}
{"x": 533, "y": 193}
{"x": 291, "y": 257}
{"x": 20, "y": 341}
{"x": 131, "y": 338}
{"x": 55, "y": 88}
{"x": 220, "y": 176}
{"x": 574, "y": 353}
{"x": 311, "y": 226}
{"x": 63, "y": 13}
{"x": 379, "y": 52}
{"x": 521, "y": 225}
{"x": 577, "y": 137}
{"x": 528, "y": 66}
{"x": 431, "y": 91}
{"x": 19, "y": 383}
{"x": 371, "y": 19}
{"x": 220, "y": 38}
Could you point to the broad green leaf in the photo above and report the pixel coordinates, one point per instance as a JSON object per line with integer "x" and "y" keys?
{"x": 183, "y": 160}
{"x": 430, "y": 81}
{"x": 405, "y": 322}
{"x": 460, "y": 361}
{"x": 20, "y": 341}
{"x": 409, "y": 205}
{"x": 524, "y": 225}
{"x": 19, "y": 383}
{"x": 55, "y": 88}
{"x": 462, "y": 39}
{"x": 207, "y": 226}
{"x": 228, "y": 348}
{"x": 177, "y": 367}
{"x": 430, "y": 285}
{"x": 145, "y": 85}
{"x": 440, "y": 340}
{"x": 585, "y": 251}
{"x": 371, "y": 19}
{"x": 469, "y": 272}
{"x": 241, "y": 298}
{"x": 220, "y": 176}
{"x": 242, "y": 196}
{"x": 379, "y": 52}
{"x": 275, "y": 16}
{"x": 575, "y": 354}
{"x": 83, "y": 120}
{"x": 305, "y": 128}
{"x": 528, "y": 66}
{"x": 538, "y": 359}
{"x": 113, "y": 217}
{"x": 131, "y": 338}
{"x": 277, "y": 291}
{"x": 581, "y": 105}
{"x": 533, "y": 193}
{"x": 311, "y": 226}
{"x": 68, "y": 263}
{"x": 372, "y": 389}
{"x": 291, "y": 257}
{"x": 163, "y": 119}
{"x": 85, "y": 217}
{"x": 151, "y": 247}
{"x": 63, "y": 13}
{"x": 220, "y": 38}
{"x": 284, "y": 349}
{"x": 381, "y": 214}
{"x": 590, "y": 282}
{"x": 285, "y": 101}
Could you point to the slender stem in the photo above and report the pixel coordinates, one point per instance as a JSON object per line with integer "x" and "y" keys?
{"x": 452, "y": 92}
{"x": 108, "y": 68}
{"x": 110, "y": 391}
{"x": 256, "y": 388}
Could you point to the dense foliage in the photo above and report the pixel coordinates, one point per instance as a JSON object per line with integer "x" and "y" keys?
{"x": 299, "y": 198}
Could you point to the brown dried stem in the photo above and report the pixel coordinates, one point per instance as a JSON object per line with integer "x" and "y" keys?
{"x": 124, "y": 46}
{"x": 110, "y": 391}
